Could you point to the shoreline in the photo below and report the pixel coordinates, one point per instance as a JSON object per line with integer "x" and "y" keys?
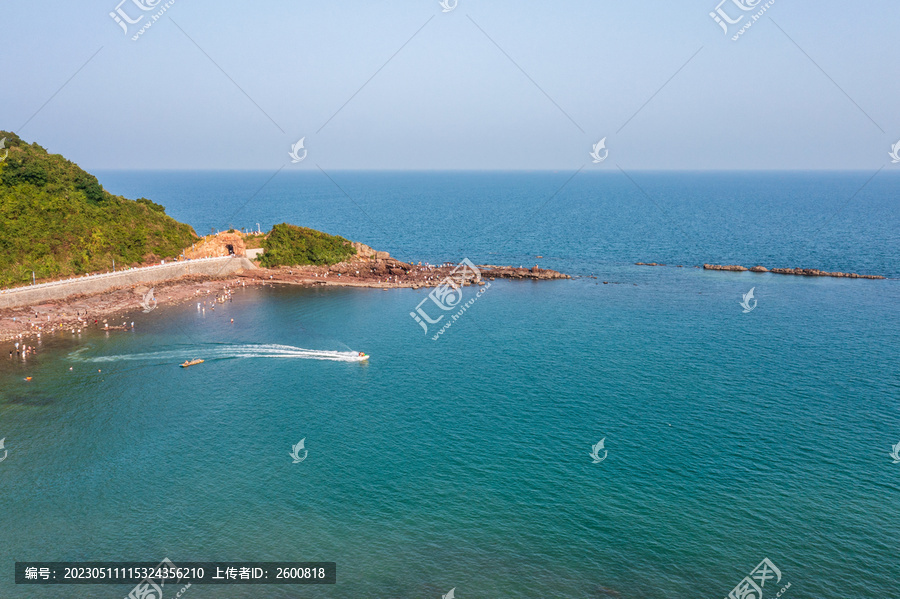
{"x": 103, "y": 310}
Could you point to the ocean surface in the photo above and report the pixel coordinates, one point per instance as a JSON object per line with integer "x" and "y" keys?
{"x": 464, "y": 462}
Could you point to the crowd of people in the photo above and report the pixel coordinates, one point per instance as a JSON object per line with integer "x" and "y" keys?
{"x": 22, "y": 351}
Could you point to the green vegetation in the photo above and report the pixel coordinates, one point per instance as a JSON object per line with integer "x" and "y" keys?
{"x": 56, "y": 220}
{"x": 287, "y": 245}
{"x": 253, "y": 241}
{"x": 151, "y": 205}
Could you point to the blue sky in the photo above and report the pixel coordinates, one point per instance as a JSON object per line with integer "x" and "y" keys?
{"x": 499, "y": 85}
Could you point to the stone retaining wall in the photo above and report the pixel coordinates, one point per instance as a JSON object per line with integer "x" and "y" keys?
{"x": 214, "y": 267}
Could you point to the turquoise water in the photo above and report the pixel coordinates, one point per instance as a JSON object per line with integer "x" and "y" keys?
{"x": 464, "y": 462}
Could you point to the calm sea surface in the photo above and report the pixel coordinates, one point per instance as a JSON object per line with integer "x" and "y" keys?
{"x": 464, "y": 462}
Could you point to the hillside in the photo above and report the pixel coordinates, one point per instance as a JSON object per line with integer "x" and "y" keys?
{"x": 56, "y": 220}
{"x": 288, "y": 245}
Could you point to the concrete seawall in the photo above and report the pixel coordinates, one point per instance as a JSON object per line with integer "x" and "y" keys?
{"x": 212, "y": 267}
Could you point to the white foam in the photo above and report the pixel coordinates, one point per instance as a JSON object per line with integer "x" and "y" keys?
{"x": 226, "y": 352}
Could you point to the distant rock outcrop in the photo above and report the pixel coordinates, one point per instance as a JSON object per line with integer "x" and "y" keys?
{"x": 812, "y": 272}
{"x": 365, "y": 252}
{"x": 805, "y": 272}
{"x": 510, "y": 272}
{"x": 733, "y": 267}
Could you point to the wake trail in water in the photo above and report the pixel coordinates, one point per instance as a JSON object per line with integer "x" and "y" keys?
{"x": 217, "y": 351}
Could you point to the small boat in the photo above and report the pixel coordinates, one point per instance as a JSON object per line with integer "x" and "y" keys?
{"x": 363, "y": 356}
{"x": 191, "y": 363}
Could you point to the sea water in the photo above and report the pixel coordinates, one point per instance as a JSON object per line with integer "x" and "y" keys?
{"x": 729, "y": 436}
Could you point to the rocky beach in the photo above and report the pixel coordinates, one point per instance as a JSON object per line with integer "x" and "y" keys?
{"x": 112, "y": 310}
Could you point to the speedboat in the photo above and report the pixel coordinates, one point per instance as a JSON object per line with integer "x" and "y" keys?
{"x": 191, "y": 363}
{"x": 362, "y": 357}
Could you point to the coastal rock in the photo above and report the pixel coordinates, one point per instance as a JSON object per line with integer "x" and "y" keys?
{"x": 805, "y": 272}
{"x": 226, "y": 243}
{"x": 732, "y": 267}
{"x": 363, "y": 251}
{"x": 813, "y": 272}
{"x": 509, "y": 272}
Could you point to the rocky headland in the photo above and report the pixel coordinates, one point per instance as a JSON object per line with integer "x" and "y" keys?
{"x": 370, "y": 268}
{"x": 113, "y": 310}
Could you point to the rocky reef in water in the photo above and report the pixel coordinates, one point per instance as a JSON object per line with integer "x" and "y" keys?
{"x": 805, "y": 272}
{"x": 371, "y": 268}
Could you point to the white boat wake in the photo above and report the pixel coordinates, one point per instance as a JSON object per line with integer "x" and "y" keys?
{"x": 226, "y": 352}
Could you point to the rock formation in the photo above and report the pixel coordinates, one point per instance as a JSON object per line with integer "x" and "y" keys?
{"x": 806, "y": 272}
{"x": 733, "y": 267}
{"x": 219, "y": 245}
